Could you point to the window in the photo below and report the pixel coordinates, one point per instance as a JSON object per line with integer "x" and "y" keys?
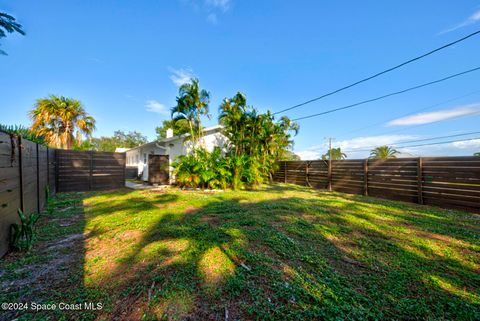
{"x": 144, "y": 158}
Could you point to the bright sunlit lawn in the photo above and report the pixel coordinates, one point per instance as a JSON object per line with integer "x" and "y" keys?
{"x": 283, "y": 252}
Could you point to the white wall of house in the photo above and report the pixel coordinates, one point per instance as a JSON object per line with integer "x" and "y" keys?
{"x": 139, "y": 157}
{"x": 173, "y": 147}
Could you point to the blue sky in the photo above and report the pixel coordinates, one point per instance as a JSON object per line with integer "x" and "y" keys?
{"x": 125, "y": 59}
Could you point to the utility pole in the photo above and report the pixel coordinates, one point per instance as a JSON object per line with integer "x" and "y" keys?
{"x": 329, "y": 162}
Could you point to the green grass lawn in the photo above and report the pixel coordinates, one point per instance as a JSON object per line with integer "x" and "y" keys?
{"x": 281, "y": 253}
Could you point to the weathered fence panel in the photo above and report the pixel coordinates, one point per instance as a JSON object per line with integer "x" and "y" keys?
{"x": 452, "y": 182}
{"x": 28, "y": 170}
{"x": 88, "y": 170}
{"x": 10, "y": 187}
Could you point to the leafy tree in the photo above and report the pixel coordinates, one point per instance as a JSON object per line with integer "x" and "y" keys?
{"x": 8, "y": 24}
{"x": 383, "y": 152}
{"x": 255, "y": 142}
{"x": 288, "y": 155}
{"x": 256, "y": 136}
{"x": 61, "y": 121}
{"x": 476, "y": 154}
{"x": 118, "y": 140}
{"x": 130, "y": 139}
{"x": 192, "y": 104}
{"x": 178, "y": 128}
{"x": 336, "y": 153}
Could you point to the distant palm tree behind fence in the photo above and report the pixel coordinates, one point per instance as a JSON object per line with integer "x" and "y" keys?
{"x": 450, "y": 182}
{"x": 28, "y": 170}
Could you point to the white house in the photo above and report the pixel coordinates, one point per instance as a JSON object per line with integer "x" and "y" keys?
{"x": 173, "y": 146}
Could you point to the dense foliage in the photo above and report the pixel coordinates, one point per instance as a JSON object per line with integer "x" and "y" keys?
{"x": 334, "y": 154}
{"x": 61, "y": 121}
{"x": 178, "y": 128}
{"x": 383, "y": 152}
{"x": 192, "y": 105}
{"x": 255, "y": 142}
{"x": 8, "y": 24}
{"x": 118, "y": 140}
{"x": 23, "y": 132}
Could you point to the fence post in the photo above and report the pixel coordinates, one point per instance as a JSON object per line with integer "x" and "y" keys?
{"x": 330, "y": 175}
{"x": 90, "y": 177}
{"x": 365, "y": 177}
{"x": 285, "y": 171}
{"x": 20, "y": 171}
{"x": 56, "y": 168}
{"x": 307, "y": 165}
{"x": 48, "y": 168}
{"x": 38, "y": 179}
{"x": 420, "y": 180}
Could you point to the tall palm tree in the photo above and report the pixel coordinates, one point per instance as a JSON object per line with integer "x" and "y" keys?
{"x": 61, "y": 121}
{"x": 383, "y": 152}
{"x": 233, "y": 117}
{"x": 336, "y": 154}
{"x": 192, "y": 104}
{"x": 8, "y": 25}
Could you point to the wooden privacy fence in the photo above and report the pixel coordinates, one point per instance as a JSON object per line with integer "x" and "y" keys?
{"x": 89, "y": 170}
{"x": 26, "y": 169}
{"x": 451, "y": 182}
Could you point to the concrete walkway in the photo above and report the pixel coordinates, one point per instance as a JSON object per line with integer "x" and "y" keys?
{"x": 134, "y": 185}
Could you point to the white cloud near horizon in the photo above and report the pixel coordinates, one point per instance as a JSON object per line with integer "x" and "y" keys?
{"x": 181, "y": 76}
{"x": 364, "y": 142}
{"x": 436, "y": 116}
{"x": 473, "y": 19}
{"x": 156, "y": 107}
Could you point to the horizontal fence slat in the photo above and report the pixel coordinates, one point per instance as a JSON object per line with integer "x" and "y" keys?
{"x": 453, "y": 181}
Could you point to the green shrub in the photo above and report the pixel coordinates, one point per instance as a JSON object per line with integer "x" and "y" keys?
{"x": 23, "y": 234}
{"x": 214, "y": 170}
{"x": 24, "y": 132}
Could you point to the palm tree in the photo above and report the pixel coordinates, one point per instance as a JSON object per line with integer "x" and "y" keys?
{"x": 8, "y": 25}
{"x": 61, "y": 121}
{"x": 383, "y": 152}
{"x": 336, "y": 154}
{"x": 192, "y": 104}
{"x": 233, "y": 117}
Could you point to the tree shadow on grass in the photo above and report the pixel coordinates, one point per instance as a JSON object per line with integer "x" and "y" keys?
{"x": 287, "y": 258}
{"x": 52, "y": 271}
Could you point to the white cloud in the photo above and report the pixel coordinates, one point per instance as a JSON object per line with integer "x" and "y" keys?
{"x": 436, "y": 116}
{"x": 465, "y": 148}
{"x": 223, "y": 5}
{"x": 156, "y": 107}
{"x": 475, "y": 143}
{"x": 181, "y": 76}
{"x": 360, "y": 143}
{"x": 473, "y": 19}
{"x": 364, "y": 144}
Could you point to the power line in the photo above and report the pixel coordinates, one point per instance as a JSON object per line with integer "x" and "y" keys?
{"x": 440, "y": 143}
{"x": 379, "y": 73}
{"x": 411, "y": 113}
{"x": 389, "y": 95}
{"x": 429, "y": 144}
{"x": 414, "y": 141}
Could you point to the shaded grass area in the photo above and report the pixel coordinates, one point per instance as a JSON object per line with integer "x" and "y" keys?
{"x": 281, "y": 253}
